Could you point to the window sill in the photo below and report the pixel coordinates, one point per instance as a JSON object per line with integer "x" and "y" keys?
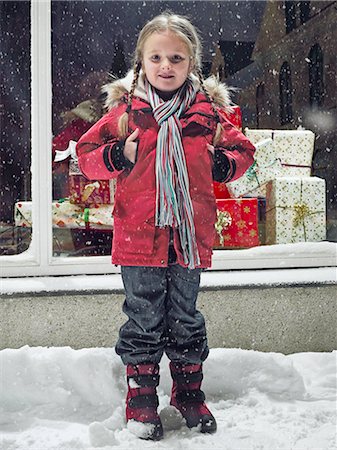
{"x": 210, "y": 280}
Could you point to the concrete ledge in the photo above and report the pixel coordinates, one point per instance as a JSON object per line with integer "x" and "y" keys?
{"x": 273, "y": 319}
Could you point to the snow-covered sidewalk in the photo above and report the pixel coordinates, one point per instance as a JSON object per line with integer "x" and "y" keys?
{"x": 65, "y": 399}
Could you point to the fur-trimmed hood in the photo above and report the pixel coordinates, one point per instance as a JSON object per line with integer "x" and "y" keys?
{"x": 220, "y": 92}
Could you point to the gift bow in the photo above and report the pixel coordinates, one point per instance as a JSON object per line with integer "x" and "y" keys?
{"x": 224, "y": 221}
{"x": 61, "y": 155}
{"x": 302, "y": 210}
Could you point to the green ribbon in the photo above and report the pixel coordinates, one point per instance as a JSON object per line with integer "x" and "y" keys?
{"x": 86, "y": 214}
{"x": 251, "y": 173}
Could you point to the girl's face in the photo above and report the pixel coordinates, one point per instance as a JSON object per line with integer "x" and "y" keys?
{"x": 166, "y": 61}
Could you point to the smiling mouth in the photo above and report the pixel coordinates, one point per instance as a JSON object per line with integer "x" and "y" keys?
{"x": 166, "y": 76}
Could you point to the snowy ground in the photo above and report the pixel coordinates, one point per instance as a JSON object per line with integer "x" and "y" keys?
{"x": 64, "y": 399}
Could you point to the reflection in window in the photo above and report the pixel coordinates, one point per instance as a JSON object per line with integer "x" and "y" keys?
{"x": 15, "y": 185}
{"x": 259, "y": 102}
{"x": 81, "y": 209}
{"x": 316, "y": 87}
{"x": 304, "y": 11}
{"x": 290, "y": 13}
{"x": 286, "y": 112}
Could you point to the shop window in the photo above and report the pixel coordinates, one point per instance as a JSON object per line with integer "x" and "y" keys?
{"x": 316, "y": 86}
{"x": 15, "y": 184}
{"x": 76, "y": 40}
{"x": 285, "y": 89}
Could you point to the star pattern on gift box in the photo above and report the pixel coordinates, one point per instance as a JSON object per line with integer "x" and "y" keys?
{"x": 243, "y": 213}
{"x": 241, "y": 224}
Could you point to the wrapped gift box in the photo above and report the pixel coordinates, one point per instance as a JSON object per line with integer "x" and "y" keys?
{"x": 220, "y": 190}
{"x": 296, "y": 210}
{"x": 295, "y": 149}
{"x": 234, "y": 117}
{"x": 68, "y": 215}
{"x": 237, "y": 224}
{"x": 266, "y": 167}
{"x": 85, "y": 192}
{"x": 81, "y": 190}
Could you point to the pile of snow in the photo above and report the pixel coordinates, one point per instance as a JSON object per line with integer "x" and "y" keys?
{"x": 60, "y": 398}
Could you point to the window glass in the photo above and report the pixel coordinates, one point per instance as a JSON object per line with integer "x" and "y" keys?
{"x": 305, "y": 140}
{"x": 15, "y": 126}
{"x": 91, "y": 40}
{"x": 82, "y": 56}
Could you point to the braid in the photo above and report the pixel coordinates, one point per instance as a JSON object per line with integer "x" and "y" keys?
{"x": 123, "y": 123}
{"x": 219, "y": 128}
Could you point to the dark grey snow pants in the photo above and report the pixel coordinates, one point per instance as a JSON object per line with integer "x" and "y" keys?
{"x": 161, "y": 306}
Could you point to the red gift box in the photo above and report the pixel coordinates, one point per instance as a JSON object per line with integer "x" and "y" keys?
{"x": 220, "y": 190}
{"x": 235, "y": 117}
{"x": 86, "y": 192}
{"x": 237, "y": 223}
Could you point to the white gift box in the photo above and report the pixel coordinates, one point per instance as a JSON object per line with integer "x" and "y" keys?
{"x": 68, "y": 215}
{"x": 295, "y": 210}
{"x": 265, "y": 168}
{"x": 295, "y": 149}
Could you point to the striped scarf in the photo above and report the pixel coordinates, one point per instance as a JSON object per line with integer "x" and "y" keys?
{"x": 173, "y": 202}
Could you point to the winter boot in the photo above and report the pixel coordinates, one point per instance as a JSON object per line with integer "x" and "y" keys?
{"x": 142, "y": 401}
{"x": 189, "y": 399}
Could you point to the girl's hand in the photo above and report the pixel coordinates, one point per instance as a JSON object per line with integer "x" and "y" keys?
{"x": 210, "y": 148}
{"x": 130, "y": 147}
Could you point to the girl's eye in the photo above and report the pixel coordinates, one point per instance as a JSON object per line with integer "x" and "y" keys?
{"x": 176, "y": 58}
{"x": 155, "y": 58}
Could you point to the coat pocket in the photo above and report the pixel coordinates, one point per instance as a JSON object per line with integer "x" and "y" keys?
{"x": 134, "y": 228}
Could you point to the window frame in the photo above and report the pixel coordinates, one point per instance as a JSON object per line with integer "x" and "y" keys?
{"x": 38, "y": 260}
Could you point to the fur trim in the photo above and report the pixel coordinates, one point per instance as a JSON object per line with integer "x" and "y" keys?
{"x": 221, "y": 94}
{"x": 114, "y": 91}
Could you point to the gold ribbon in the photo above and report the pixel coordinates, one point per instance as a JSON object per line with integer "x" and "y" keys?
{"x": 301, "y": 211}
{"x": 224, "y": 221}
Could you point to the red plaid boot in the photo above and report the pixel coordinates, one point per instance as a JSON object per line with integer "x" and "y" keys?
{"x": 189, "y": 399}
{"x": 142, "y": 401}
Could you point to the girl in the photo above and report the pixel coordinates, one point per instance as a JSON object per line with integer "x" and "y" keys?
{"x": 165, "y": 138}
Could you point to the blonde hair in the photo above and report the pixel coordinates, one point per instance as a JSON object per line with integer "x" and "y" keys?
{"x": 182, "y": 28}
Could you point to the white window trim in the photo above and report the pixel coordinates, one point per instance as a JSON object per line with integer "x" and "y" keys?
{"x": 38, "y": 259}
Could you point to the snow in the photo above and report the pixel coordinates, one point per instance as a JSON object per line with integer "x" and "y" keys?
{"x": 60, "y": 398}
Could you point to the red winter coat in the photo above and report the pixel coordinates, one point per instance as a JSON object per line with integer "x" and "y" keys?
{"x": 136, "y": 240}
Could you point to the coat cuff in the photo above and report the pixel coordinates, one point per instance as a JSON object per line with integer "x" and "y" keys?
{"x": 222, "y": 167}
{"x": 114, "y": 158}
